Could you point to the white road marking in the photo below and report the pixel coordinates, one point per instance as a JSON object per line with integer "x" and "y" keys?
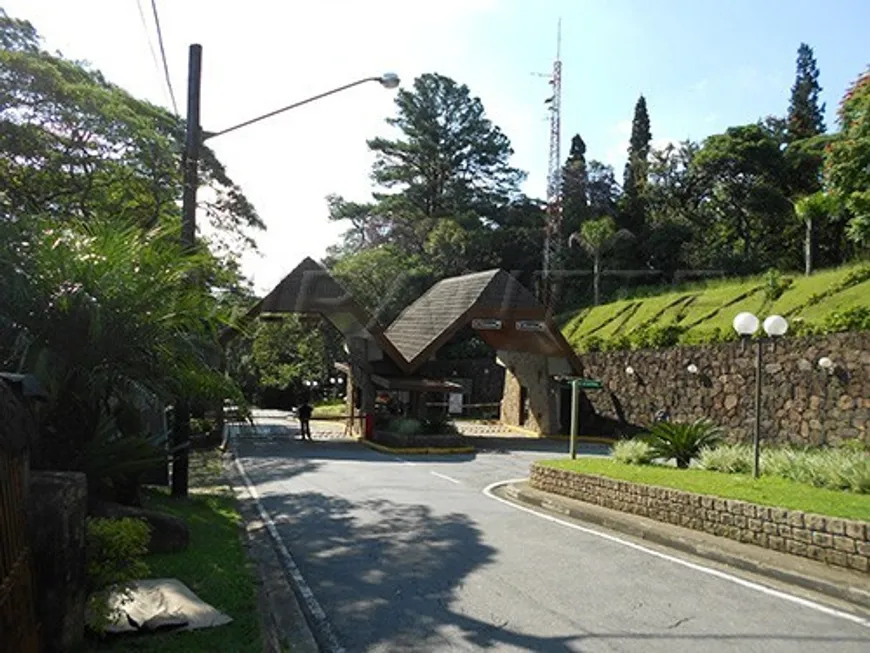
{"x": 446, "y": 478}
{"x": 333, "y": 645}
{"x": 488, "y": 491}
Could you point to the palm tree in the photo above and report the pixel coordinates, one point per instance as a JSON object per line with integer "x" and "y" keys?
{"x": 597, "y": 237}
{"x": 811, "y": 210}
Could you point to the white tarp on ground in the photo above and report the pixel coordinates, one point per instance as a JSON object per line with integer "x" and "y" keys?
{"x": 161, "y": 603}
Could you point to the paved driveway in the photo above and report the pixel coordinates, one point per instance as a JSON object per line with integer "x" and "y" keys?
{"x": 411, "y": 555}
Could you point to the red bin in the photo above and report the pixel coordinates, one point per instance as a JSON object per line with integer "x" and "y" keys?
{"x": 370, "y": 426}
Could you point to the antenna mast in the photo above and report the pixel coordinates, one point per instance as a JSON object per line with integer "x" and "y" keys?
{"x": 553, "y": 225}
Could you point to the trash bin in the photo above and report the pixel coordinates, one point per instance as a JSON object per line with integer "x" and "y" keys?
{"x": 369, "y": 426}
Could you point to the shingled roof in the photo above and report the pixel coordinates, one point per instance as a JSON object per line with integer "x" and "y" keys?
{"x": 445, "y": 307}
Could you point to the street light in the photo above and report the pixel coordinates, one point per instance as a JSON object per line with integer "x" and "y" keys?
{"x": 692, "y": 368}
{"x": 194, "y": 137}
{"x": 746, "y": 324}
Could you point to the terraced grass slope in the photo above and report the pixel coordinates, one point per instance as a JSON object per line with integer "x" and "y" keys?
{"x": 703, "y": 313}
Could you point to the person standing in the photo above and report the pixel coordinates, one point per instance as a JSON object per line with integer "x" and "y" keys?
{"x": 304, "y": 414}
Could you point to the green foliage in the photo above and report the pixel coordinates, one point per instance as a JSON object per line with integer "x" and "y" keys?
{"x": 806, "y": 117}
{"x": 432, "y": 425}
{"x": 384, "y": 279}
{"x": 728, "y": 458}
{"x": 847, "y": 159}
{"x": 650, "y": 320}
{"x": 775, "y": 285}
{"x": 75, "y": 146}
{"x": 105, "y": 315}
{"x": 657, "y": 336}
{"x": 115, "y": 548}
{"x": 836, "y": 469}
{"x": 856, "y": 318}
{"x": 635, "y": 178}
{"x": 682, "y": 442}
{"x": 632, "y": 452}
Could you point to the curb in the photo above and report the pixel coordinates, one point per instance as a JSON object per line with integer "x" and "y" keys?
{"x": 632, "y": 525}
{"x": 285, "y": 624}
{"x": 413, "y": 451}
{"x": 589, "y": 439}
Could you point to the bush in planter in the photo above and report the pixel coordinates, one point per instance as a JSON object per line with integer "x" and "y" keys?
{"x": 115, "y": 548}
{"x": 438, "y": 425}
{"x": 632, "y": 452}
{"x": 682, "y": 441}
{"x": 728, "y": 458}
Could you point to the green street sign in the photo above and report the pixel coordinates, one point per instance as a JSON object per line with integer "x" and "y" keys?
{"x": 589, "y": 384}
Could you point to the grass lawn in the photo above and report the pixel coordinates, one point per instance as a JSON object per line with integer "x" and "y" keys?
{"x": 214, "y": 567}
{"x": 330, "y": 410}
{"x": 604, "y": 320}
{"x": 767, "y": 490}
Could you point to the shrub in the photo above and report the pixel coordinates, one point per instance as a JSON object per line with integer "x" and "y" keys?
{"x": 438, "y": 425}
{"x": 774, "y": 285}
{"x": 843, "y": 468}
{"x": 856, "y": 318}
{"x": 728, "y": 458}
{"x": 632, "y": 452}
{"x": 658, "y": 336}
{"x": 593, "y": 343}
{"x": 405, "y": 426}
{"x": 115, "y": 548}
{"x": 682, "y": 442}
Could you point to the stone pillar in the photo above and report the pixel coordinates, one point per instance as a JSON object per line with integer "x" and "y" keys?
{"x": 57, "y": 508}
{"x": 362, "y": 380}
{"x": 529, "y": 371}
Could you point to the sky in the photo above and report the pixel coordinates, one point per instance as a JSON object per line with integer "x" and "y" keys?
{"x": 702, "y": 66}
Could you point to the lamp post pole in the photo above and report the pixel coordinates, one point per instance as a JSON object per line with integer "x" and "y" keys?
{"x": 756, "y": 438}
{"x": 746, "y": 324}
{"x": 194, "y": 137}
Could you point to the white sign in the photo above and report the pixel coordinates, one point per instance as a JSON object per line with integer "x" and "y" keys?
{"x": 486, "y": 325}
{"x": 454, "y": 404}
{"x": 531, "y": 325}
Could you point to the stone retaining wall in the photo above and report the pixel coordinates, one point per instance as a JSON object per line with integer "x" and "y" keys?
{"x": 801, "y": 403}
{"x": 838, "y": 542}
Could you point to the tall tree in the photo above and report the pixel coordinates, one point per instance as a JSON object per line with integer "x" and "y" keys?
{"x": 602, "y": 189}
{"x": 812, "y": 210}
{"x": 636, "y": 170}
{"x": 597, "y": 237}
{"x": 449, "y": 158}
{"x": 806, "y": 117}
{"x": 847, "y": 160}
{"x": 73, "y": 145}
{"x": 743, "y": 201}
{"x": 575, "y": 182}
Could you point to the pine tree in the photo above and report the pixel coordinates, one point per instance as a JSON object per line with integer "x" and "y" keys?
{"x": 575, "y": 183}
{"x": 636, "y": 170}
{"x": 806, "y": 117}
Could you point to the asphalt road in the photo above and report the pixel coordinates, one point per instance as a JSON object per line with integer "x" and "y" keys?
{"x": 413, "y": 556}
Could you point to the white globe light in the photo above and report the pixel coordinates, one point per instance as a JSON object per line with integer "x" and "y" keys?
{"x": 389, "y": 80}
{"x": 692, "y": 368}
{"x": 826, "y": 363}
{"x": 745, "y": 324}
{"x": 775, "y": 325}
{"x": 629, "y": 370}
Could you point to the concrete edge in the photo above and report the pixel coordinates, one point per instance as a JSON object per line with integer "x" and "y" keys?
{"x": 413, "y": 451}
{"x": 285, "y": 624}
{"x": 625, "y": 523}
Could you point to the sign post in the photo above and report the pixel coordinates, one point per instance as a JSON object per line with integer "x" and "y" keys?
{"x": 575, "y": 416}
{"x": 576, "y": 384}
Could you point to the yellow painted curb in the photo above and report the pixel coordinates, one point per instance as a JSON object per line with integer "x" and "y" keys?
{"x": 417, "y": 450}
{"x": 528, "y": 432}
{"x": 591, "y": 439}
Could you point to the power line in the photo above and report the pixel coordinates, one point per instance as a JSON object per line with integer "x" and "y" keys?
{"x": 148, "y": 35}
{"x": 163, "y": 56}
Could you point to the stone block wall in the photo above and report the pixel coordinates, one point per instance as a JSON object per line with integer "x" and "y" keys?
{"x": 801, "y": 403}
{"x": 529, "y": 371}
{"x": 838, "y": 542}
